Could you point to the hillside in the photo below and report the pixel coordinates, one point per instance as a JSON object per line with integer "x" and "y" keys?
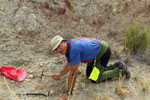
{"x": 27, "y": 26}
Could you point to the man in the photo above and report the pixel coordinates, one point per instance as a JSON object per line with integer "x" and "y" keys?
{"x": 91, "y": 50}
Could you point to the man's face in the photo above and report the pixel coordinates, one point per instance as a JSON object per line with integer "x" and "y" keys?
{"x": 62, "y": 48}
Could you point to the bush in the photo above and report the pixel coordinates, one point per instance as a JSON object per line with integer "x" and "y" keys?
{"x": 144, "y": 56}
{"x": 136, "y": 38}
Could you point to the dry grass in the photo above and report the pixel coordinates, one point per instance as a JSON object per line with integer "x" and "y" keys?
{"x": 136, "y": 75}
{"x": 12, "y": 92}
{"x": 105, "y": 95}
{"x": 142, "y": 81}
{"x": 120, "y": 90}
{"x": 116, "y": 53}
{"x": 143, "y": 84}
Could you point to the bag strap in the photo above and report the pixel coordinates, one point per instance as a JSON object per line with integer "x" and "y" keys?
{"x": 83, "y": 38}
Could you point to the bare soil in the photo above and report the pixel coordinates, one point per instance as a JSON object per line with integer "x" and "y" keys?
{"x": 27, "y": 26}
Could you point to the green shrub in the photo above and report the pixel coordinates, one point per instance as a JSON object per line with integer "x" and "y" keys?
{"x": 116, "y": 53}
{"x": 136, "y": 38}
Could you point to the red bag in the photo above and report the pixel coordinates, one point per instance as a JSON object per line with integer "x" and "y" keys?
{"x": 13, "y": 73}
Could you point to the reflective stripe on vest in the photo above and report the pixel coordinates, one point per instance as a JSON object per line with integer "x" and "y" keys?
{"x": 83, "y": 38}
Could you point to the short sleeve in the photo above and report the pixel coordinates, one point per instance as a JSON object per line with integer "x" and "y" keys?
{"x": 75, "y": 56}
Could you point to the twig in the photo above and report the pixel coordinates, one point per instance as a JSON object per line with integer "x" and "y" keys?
{"x": 97, "y": 98}
{"x": 37, "y": 94}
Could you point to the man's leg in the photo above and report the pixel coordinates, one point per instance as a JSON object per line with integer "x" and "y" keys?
{"x": 106, "y": 72}
{"x": 89, "y": 68}
{"x": 109, "y": 74}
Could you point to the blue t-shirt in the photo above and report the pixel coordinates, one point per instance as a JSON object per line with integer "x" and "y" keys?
{"x": 82, "y": 50}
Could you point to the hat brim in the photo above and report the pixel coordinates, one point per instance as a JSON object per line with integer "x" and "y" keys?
{"x": 56, "y": 46}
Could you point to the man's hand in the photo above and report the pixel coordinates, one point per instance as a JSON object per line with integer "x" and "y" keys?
{"x": 64, "y": 97}
{"x": 56, "y": 76}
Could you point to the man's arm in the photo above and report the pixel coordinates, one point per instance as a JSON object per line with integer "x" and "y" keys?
{"x": 71, "y": 82}
{"x": 65, "y": 70}
{"x": 72, "y": 77}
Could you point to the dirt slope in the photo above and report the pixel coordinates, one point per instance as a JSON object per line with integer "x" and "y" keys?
{"x": 26, "y": 27}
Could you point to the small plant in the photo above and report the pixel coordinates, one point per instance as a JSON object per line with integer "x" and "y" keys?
{"x": 120, "y": 91}
{"x": 144, "y": 57}
{"x": 116, "y": 53}
{"x": 144, "y": 85}
{"x": 105, "y": 96}
{"x": 136, "y": 75}
{"x": 137, "y": 39}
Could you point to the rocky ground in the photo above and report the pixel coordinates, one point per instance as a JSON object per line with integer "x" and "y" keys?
{"x": 27, "y": 26}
